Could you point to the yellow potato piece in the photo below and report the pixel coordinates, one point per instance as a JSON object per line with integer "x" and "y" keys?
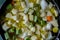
{"x": 55, "y": 29}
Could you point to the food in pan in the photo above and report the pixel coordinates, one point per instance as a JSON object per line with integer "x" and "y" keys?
{"x": 30, "y": 20}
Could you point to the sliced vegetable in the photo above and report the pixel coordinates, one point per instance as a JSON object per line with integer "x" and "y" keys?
{"x": 11, "y": 30}
{"x": 35, "y": 18}
{"x": 31, "y": 24}
{"x": 50, "y": 37}
{"x": 20, "y": 31}
{"x": 9, "y": 7}
{"x": 37, "y": 10}
{"x": 17, "y": 31}
{"x": 6, "y": 36}
{"x": 33, "y": 1}
{"x": 43, "y": 4}
{"x": 18, "y": 6}
{"x": 43, "y": 23}
{"x": 55, "y": 29}
{"x": 32, "y": 29}
{"x": 39, "y": 21}
{"x": 54, "y": 11}
{"x": 31, "y": 5}
{"x": 14, "y": 37}
{"x": 49, "y": 18}
{"x": 38, "y": 1}
{"x": 5, "y": 27}
{"x": 14, "y": 11}
{"x": 33, "y": 37}
{"x": 41, "y": 38}
{"x": 23, "y": 5}
{"x": 31, "y": 17}
{"x": 54, "y": 23}
{"x": 48, "y": 26}
{"x": 27, "y": 38}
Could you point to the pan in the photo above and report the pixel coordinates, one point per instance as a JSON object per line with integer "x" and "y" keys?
{"x": 2, "y": 14}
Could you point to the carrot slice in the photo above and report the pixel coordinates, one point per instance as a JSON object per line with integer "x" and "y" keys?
{"x": 49, "y": 18}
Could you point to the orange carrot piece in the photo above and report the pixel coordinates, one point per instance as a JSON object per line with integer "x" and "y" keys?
{"x": 49, "y": 18}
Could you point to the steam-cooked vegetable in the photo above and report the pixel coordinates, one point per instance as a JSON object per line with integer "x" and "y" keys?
{"x": 43, "y": 4}
{"x": 54, "y": 12}
{"x": 35, "y": 18}
{"x": 49, "y": 26}
{"x": 9, "y": 7}
{"x": 49, "y": 18}
{"x": 31, "y": 17}
{"x": 43, "y": 23}
{"x": 14, "y": 11}
{"x": 33, "y": 37}
{"x": 18, "y": 31}
{"x": 55, "y": 29}
{"x": 27, "y": 38}
{"x": 33, "y": 1}
{"x": 6, "y": 36}
{"x": 5, "y": 27}
{"x": 11, "y": 30}
{"x": 30, "y": 20}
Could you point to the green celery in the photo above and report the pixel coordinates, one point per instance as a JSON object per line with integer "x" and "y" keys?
{"x": 6, "y": 36}
{"x": 35, "y": 18}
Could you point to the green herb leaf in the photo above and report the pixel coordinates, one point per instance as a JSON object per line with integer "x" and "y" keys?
{"x": 28, "y": 38}
{"x": 39, "y": 20}
{"x": 31, "y": 23}
{"x": 11, "y": 30}
{"x": 9, "y": 7}
{"x": 20, "y": 31}
{"x": 43, "y": 22}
